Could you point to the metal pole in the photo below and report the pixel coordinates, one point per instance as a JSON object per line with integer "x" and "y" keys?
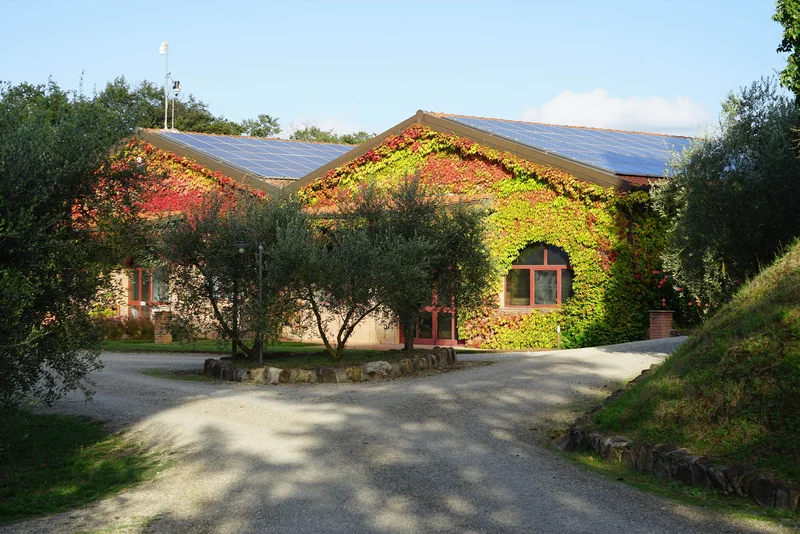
{"x": 260, "y": 301}
{"x": 173, "y": 111}
{"x": 235, "y": 326}
{"x": 166, "y": 82}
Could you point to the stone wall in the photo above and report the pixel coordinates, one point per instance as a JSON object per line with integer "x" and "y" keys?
{"x": 436, "y": 358}
{"x": 670, "y": 462}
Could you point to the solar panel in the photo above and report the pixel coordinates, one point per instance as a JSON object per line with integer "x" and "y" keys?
{"x": 629, "y": 153}
{"x": 268, "y": 158}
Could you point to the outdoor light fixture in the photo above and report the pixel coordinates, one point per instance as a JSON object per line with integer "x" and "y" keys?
{"x": 240, "y": 247}
{"x": 176, "y": 88}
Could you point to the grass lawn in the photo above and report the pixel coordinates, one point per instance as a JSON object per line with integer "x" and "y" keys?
{"x": 202, "y": 345}
{"x": 50, "y": 463}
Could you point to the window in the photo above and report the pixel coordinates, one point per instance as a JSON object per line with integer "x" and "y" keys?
{"x": 540, "y": 276}
{"x": 146, "y": 288}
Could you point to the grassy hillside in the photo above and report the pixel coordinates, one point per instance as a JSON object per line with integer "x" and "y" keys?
{"x": 732, "y": 391}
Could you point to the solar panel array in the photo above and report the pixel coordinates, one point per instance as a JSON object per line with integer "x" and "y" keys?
{"x": 629, "y": 153}
{"x": 268, "y": 158}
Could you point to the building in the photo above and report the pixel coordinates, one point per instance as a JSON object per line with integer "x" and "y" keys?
{"x": 571, "y": 225}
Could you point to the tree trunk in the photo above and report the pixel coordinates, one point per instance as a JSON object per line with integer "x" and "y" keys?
{"x": 408, "y": 336}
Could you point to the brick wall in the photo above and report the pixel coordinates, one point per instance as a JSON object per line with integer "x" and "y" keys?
{"x": 162, "y": 321}
{"x": 660, "y": 323}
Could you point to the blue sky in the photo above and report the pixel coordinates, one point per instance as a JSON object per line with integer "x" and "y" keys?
{"x": 659, "y": 66}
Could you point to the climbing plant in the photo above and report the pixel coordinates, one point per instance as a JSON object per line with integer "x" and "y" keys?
{"x": 613, "y": 238}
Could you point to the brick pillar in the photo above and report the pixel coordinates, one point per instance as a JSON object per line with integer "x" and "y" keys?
{"x": 162, "y": 321}
{"x": 660, "y": 323}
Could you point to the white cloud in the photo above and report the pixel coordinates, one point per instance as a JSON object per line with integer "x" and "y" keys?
{"x": 597, "y": 109}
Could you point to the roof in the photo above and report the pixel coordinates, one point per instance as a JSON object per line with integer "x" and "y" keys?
{"x": 258, "y": 157}
{"x": 621, "y": 152}
{"x": 609, "y": 158}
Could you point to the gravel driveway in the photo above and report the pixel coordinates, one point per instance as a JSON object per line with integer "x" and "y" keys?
{"x": 450, "y": 452}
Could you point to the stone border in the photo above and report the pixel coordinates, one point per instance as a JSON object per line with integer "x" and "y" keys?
{"x": 437, "y": 358}
{"x": 670, "y": 462}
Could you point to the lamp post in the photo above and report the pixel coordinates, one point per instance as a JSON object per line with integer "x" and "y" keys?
{"x": 240, "y": 247}
{"x": 260, "y": 301}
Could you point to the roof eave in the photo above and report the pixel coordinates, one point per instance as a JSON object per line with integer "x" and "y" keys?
{"x": 581, "y": 171}
{"x": 234, "y": 173}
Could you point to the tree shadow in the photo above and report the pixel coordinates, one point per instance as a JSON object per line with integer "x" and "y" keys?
{"x": 435, "y": 454}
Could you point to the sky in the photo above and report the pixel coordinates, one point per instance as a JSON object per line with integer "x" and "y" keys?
{"x": 647, "y": 65}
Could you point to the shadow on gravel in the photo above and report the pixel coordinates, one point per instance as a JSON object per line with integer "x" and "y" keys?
{"x": 428, "y": 455}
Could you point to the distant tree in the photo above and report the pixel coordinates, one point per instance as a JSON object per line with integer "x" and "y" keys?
{"x": 355, "y": 138}
{"x": 143, "y": 106}
{"x": 433, "y": 252}
{"x": 64, "y": 215}
{"x": 787, "y": 13}
{"x": 261, "y": 126}
{"x": 732, "y": 198}
{"x": 213, "y": 279}
{"x": 312, "y": 132}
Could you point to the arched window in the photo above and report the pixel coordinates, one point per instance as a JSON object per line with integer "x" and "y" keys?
{"x": 540, "y": 276}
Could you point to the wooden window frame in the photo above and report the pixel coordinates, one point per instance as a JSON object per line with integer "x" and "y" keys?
{"x": 532, "y": 282}
{"x": 140, "y": 273}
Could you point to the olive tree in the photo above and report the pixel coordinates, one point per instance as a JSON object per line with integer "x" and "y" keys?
{"x": 65, "y": 212}
{"x": 732, "y": 197}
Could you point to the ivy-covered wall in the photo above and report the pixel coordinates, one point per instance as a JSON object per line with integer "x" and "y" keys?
{"x": 613, "y": 238}
{"x": 169, "y": 183}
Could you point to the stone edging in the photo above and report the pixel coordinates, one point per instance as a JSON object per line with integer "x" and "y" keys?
{"x": 670, "y": 462}
{"x": 437, "y": 358}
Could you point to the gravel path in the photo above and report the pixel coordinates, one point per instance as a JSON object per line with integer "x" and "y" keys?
{"x": 450, "y": 452}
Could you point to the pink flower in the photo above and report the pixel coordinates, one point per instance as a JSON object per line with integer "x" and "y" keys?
{"x": 678, "y": 289}
{"x": 656, "y": 272}
{"x": 688, "y": 303}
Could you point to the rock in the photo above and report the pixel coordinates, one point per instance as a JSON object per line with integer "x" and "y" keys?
{"x": 395, "y": 370}
{"x": 341, "y": 374}
{"x": 378, "y": 369}
{"x": 786, "y": 498}
{"x": 629, "y": 457}
{"x": 644, "y": 458}
{"x": 661, "y": 461}
{"x": 718, "y": 480}
{"x": 354, "y": 373}
{"x": 701, "y": 476}
{"x": 304, "y": 376}
{"x": 257, "y": 375}
{"x": 682, "y": 463}
{"x": 763, "y": 489}
{"x": 326, "y": 375}
{"x": 422, "y": 362}
{"x": 239, "y": 374}
{"x": 210, "y": 367}
{"x": 284, "y": 376}
{"x": 562, "y": 443}
{"x": 736, "y": 476}
{"x": 615, "y": 447}
{"x": 273, "y": 375}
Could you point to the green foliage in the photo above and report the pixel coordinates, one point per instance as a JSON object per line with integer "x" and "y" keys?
{"x": 314, "y": 133}
{"x": 730, "y": 391}
{"x": 212, "y": 277}
{"x": 116, "y": 328}
{"x": 787, "y": 14}
{"x": 261, "y": 126}
{"x": 143, "y": 106}
{"x": 613, "y": 239}
{"x": 50, "y": 463}
{"x": 340, "y": 279}
{"x": 732, "y": 197}
{"x": 65, "y": 215}
{"x": 432, "y": 251}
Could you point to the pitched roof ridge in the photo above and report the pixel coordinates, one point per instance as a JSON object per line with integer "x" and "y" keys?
{"x": 456, "y": 115}
{"x": 161, "y": 130}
